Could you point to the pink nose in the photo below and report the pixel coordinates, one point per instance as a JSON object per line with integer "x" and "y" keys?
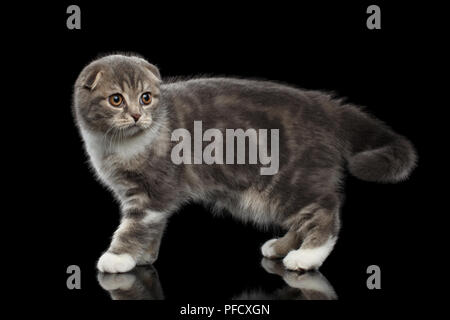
{"x": 136, "y": 116}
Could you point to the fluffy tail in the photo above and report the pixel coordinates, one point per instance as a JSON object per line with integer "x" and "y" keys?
{"x": 375, "y": 152}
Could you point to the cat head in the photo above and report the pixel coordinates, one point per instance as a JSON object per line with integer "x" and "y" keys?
{"x": 117, "y": 93}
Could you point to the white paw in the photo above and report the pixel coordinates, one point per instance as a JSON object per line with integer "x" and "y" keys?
{"x": 115, "y": 263}
{"x": 116, "y": 281}
{"x": 308, "y": 259}
{"x": 295, "y": 261}
{"x": 267, "y": 249}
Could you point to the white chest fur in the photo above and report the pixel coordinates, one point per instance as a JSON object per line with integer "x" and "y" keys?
{"x": 106, "y": 154}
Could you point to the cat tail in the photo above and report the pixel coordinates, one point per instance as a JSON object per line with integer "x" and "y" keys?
{"x": 374, "y": 151}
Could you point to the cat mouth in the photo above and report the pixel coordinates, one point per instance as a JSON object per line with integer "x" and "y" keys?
{"x": 132, "y": 129}
{"x": 136, "y": 129}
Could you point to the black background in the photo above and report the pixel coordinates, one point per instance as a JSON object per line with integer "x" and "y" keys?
{"x": 204, "y": 258}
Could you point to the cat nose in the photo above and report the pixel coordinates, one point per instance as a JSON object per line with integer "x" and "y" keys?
{"x": 135, "y": 116}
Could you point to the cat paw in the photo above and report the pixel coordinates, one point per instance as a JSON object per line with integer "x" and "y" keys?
{"x": 297, "y": 260}
{"x": 267, "y": 249}
{"x": 308, "y": 258}
{"x": 115, "y": 263}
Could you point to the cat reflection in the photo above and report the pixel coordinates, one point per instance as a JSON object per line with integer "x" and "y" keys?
{"x": 143, "y": 284}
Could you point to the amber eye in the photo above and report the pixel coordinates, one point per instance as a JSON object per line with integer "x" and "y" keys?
{"x": 116, "y": 100}
{"x": 146, "y": 98}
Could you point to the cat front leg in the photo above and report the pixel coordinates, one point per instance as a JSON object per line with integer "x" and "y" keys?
{"x": 135, "y": 242}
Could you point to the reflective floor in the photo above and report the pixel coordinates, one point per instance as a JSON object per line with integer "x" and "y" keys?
{"x": 143, "y": 284}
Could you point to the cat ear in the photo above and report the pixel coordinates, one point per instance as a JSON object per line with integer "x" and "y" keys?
{"x": 153, "y": 69}
{"x": 92, "y": 79}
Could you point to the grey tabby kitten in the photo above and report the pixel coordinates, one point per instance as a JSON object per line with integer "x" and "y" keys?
{"x": 126, "y": 116}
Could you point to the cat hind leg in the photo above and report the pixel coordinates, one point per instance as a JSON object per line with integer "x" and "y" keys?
{"x": 318, "y": 230}
{"x": 279, "y": 248}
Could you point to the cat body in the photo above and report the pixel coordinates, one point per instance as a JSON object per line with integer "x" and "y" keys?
{"x": 131, "y": 148}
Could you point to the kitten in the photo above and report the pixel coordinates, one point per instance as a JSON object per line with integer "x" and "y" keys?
{"x": 126, "y": 116}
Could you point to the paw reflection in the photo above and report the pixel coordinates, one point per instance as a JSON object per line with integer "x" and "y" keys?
{"x": 310, "y": 285}
{"x": 142, "y": 283}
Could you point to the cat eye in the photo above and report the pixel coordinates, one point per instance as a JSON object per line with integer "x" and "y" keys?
{"x": 146, "y": 98}
{"x": 116, "y": 100}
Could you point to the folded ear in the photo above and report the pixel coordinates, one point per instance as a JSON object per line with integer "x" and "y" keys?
{"x": 152, "y": 68}
{"x": 92, "y": 79}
